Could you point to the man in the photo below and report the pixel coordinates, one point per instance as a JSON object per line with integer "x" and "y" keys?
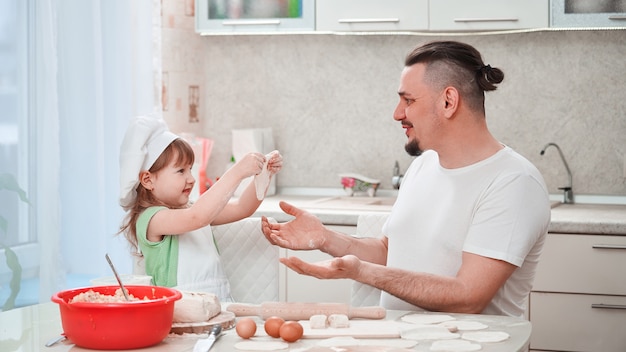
{"x": 471, "y": 215}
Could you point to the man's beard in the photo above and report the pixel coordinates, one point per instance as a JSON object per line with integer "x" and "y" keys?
{"x": 412, "y": 147}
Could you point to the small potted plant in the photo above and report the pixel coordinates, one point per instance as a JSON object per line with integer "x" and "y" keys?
{"x": 8, "y": 183}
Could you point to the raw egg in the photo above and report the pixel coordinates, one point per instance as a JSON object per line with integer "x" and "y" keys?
{"x": 291, "y": 331}
{"x": 246, "y": 327}
{"x": 272, "y": 326}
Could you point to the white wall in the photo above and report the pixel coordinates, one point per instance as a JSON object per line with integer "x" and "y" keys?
{"x": 330, "y": 99}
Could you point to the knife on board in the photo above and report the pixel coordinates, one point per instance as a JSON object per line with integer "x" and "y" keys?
{"x": 302, "y": 311}
{"x": 204, "y": 345}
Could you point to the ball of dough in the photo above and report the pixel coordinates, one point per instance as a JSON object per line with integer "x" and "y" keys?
{"x": 318, "y": 321}
{"x": 338, "y": 321}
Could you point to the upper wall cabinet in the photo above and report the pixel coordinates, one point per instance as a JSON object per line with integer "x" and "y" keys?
{"x": 484, "y": 15}
{"x": 371, "y": 15}
{"x": 588, "y": 13}
{"x": 267, "y": 16}
{"x": 237, "y": 16}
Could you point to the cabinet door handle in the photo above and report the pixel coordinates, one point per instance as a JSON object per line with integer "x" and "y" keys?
{"x": 250, "y": 22}
{"x": 477, "y": 19}
{"x": 618, "y": 17}
{"x": 609, "y": 246}
{"x": 608, "y": 306}
{"x": 368, "y": 20}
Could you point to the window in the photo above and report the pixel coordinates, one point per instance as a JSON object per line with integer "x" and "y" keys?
{"x": 15, "y": 155}
{"x": 72, "y": 75}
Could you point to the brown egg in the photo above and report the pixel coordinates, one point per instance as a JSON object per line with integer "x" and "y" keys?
{"x": 246, "y": 327}
{"x": 272, "y": 326}
{"x": 291, "y": 331}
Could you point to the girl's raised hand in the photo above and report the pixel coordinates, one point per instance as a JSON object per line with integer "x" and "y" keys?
{"x": 251, "y": 164}
{"x": 275, "y": 162}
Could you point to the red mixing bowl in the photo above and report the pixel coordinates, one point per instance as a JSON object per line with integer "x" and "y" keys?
{"x": 118, "y": 326}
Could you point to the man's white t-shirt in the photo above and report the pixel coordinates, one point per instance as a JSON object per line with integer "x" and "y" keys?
{"x": 497, "y": 208}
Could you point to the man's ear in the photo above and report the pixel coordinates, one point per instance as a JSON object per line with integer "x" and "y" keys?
{"x": 450, "y": 101}
{"x": 145, "y": 178}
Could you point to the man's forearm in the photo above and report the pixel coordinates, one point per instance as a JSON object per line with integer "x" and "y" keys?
{"x": 371, "y": 250}
{"x": 427, "y": 291}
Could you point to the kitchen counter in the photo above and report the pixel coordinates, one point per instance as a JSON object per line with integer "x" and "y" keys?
{"x": 606, "y": 219}
{"x": 566, "y": 218}
{"x": 28, "y": 329}
{"x": 333, "y": 216}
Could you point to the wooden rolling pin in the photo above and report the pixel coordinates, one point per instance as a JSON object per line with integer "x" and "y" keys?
{"x": 303, "y": 311}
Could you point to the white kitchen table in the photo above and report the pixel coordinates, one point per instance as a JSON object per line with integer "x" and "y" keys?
{"x": 27, "y": 329}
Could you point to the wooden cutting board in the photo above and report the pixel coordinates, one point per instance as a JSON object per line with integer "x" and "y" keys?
{"x": 225, "y": 319}
{"x": 372, "y": 329}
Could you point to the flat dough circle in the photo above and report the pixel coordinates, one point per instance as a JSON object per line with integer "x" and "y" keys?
{"x": 342, "y": 341}
{"x": 358, "y": 348}
{"x": 485, "y": 336}
{"x": 454, "y": 346}
{"x": 429, "y": 332}
{"x": 465, "y": 325}
{"x": 261, "y": 345}
{"x": 426, "y": 318}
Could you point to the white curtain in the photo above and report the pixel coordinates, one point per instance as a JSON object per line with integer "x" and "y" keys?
{"x": 95, "y": 69}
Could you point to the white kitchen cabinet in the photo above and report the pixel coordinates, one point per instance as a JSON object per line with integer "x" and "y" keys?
{"x": 575, "y": 322}
{"x": 371, "y": 15}
{"x": 375, "y": 16}
{"x": 254, "y": 16}
{"x": 578, "y": 300}
{"x": 484, "y": 15}
{"x": 582, "y": 264}
{"x": 302, "y": 288}
{"x": 588, "y": 13}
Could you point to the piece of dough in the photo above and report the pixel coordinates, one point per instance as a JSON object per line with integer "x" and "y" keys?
{"x": 429, "y": 332}
{"x": 485, "y": 336}
{"x": 417, "y": 318}
{"x": 338, "y": 321}
{"x": 261, "y": 345}
{"x": 465, "y": 325}
{"x": 262, "y": 180}
{"x": 454, "y": 346}
{"x": 196, "y": 307}
{"x": 318, "y": 321}
{"x": 346, "y": 341}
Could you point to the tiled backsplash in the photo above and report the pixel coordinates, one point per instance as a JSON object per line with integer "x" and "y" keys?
{"x": 330, "y": 99}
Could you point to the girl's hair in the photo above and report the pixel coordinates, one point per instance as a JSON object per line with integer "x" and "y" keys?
{"x": 450, "y": 63}
{"x": 182, "y": 154}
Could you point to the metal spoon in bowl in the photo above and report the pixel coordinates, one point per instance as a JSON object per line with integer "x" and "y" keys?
{"x": 119, "y": 281}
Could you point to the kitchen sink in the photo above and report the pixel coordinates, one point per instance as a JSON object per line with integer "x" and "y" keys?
{"x": 352, "y": 203}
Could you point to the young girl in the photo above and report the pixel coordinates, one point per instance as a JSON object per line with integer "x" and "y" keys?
{"x": 173, "y": 236}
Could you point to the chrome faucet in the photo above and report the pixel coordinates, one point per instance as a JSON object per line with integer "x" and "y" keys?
{"x": 396, "y": 180}
{"x": 568, "y": 192}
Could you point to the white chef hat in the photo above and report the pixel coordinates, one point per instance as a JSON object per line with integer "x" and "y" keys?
{"x": 145, "y": 140}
